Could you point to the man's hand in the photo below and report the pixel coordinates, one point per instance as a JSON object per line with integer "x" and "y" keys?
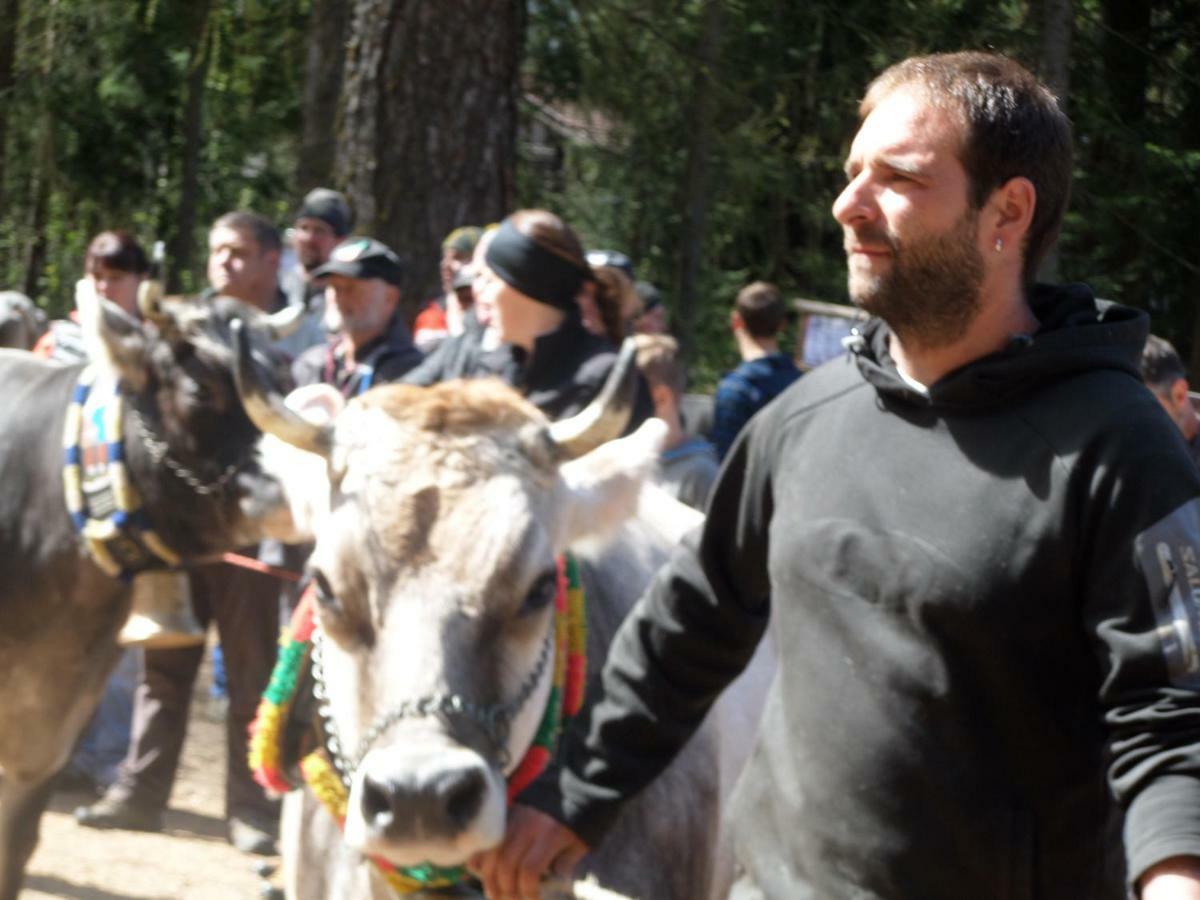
{"x": 534, "y": 844}
{"x": 1177, "y": 878}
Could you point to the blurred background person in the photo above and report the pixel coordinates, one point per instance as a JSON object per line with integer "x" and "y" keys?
{"x": 114, "y": 266}
{"x": 608, "y": 302}
{"x": 534, "y": 274}
{"x": 323, "y": 221}
{"x": 759, "y": 316}
{"x": 653, "y": 318}
{"x": 1164, "y": 374}
{"x": 442, "y": 317}
{"x": 687, "y": 465}
{"x": 372, "y": 346}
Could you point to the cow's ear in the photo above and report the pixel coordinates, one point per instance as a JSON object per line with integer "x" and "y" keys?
{"x": 306, "y": 479}
{"x": 602, "y": 487}
{"x": 112, "y": 336}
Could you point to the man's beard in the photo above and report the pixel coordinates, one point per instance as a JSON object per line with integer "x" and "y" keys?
{"x": 363, "y": 322}
{"x": 930, "y": 295}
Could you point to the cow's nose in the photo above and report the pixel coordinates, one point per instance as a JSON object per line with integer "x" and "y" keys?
{"x": 442, "y": 803}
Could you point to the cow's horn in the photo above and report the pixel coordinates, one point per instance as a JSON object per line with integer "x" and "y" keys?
{"x": 266, "y": 408}
{"x": 149, "y": 300}
{"x": 606, "y": 416}
{"x": 284, "y": 322}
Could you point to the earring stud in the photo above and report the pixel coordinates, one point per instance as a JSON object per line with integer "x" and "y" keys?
{"x": 999, "y": 244}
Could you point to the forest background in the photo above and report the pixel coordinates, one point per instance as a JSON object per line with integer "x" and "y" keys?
{"x": 703, "y": 138}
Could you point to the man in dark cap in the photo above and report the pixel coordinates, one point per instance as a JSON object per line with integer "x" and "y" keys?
{"x": 362, "y": 282}
{"x": 443, "y": 316}
{"x": 323, "y": 220}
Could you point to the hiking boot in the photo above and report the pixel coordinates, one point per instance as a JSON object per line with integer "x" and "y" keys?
{"x": 119, "y": 812}
{"x": 250, "y": 838}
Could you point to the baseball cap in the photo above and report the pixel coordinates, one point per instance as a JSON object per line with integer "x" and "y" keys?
{"x": 463, "y": 239}
{"x": 363, "y": 257}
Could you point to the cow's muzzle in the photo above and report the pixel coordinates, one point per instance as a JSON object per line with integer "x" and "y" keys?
{"x": 425, "y": 803}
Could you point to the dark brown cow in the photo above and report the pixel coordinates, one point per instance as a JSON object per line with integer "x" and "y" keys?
{"x": 194, "y": 464}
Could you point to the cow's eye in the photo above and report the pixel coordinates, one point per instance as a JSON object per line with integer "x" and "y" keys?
{"x": 326, "y": 598}
{"x": 541, "y": 594}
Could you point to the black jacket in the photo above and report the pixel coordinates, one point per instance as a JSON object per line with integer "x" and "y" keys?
{"x": 462, "y": 356}
{"x": 382, "y": 360}
{"x": 567, "y": 368}
{"x": 983, "y": 607}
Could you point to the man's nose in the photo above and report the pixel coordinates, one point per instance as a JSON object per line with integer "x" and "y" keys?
{"x": 855, "y": 203}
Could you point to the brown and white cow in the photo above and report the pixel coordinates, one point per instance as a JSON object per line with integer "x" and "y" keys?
{"x": 438, "y": 514}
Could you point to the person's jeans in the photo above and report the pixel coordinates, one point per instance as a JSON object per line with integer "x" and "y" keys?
{"x": 105, "y": 741}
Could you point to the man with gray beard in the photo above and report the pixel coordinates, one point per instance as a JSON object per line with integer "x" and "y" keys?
{"x": 362, "y": 281}
{"x": 977, "y": 540}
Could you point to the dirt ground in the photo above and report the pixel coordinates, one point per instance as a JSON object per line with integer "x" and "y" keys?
{"x": 189, "y": 860}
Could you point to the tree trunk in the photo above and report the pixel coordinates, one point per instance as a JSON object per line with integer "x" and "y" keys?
{"x": 1126, "y": 64}
{"x": 182, "y": 241}
{"x": 1055, "y": 71}
{"x": 427, "y": 132}
{"x": 323, "y": 66}
{"x": 10, "y": 15}
{"x": 696, "y": 175}
{"x": 46, "y": 169}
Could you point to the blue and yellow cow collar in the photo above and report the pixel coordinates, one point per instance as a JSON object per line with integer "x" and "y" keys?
{"x": 103, "y": 503}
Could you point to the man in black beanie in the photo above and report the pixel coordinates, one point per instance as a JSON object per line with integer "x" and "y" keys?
{"x": 323, "y": 220}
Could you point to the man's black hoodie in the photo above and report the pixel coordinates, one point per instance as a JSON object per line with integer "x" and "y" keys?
{"x": 981, "y": 606}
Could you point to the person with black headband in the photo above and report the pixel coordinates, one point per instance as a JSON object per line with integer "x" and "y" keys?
{"x": 535, "y": 270}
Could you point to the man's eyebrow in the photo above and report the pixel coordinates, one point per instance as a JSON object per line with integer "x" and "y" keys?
{"x": 904, "y": 165}
{"x": 896, "y": 163}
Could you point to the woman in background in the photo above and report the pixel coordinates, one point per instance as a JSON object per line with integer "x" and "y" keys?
{"x": 535, "y": 272}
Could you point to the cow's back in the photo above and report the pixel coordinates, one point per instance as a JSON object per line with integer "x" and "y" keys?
{"x": 35, "y": 530}
{"x": 667, "y": 841}
{"x": 58, "y": 613}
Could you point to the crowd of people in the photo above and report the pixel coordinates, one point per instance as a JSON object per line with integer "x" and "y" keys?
{"x": 975, "y": 534}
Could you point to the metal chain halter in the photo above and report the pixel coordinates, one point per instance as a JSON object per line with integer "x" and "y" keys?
{"x": 160, "y": 453}
{"x": 495, "y": 720}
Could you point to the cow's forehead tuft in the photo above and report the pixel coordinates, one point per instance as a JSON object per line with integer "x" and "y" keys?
{"x": 455, "y": 407}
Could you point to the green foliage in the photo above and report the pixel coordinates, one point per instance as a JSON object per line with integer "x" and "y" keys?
{"x": 96, "y": 133}
{"x": 96, "y": 125}
{"x": 784, "y": 91}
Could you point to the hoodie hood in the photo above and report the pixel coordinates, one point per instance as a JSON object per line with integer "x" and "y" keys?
{"x": 1077, "y": 332}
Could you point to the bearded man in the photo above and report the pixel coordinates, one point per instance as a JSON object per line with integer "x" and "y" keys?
{"x": 975, "y": 537}
{"x": 362, "y": 281}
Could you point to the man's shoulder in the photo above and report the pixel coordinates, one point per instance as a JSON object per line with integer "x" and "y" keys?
{"x": 832, "y": 382}
{"x": 397, "y": 357}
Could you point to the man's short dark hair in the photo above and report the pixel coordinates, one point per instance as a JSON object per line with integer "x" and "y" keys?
{"x": 117, "y": 250}
{"x": 1161, "y": 365}
{"x": 1014, "y": 127}
{"x": 761, "y": 308}
{"x": 258, "y": 227}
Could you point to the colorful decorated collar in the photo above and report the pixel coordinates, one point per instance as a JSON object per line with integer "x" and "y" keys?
{"x": 328, "y": 784}
{"x": 102, "y": 501}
